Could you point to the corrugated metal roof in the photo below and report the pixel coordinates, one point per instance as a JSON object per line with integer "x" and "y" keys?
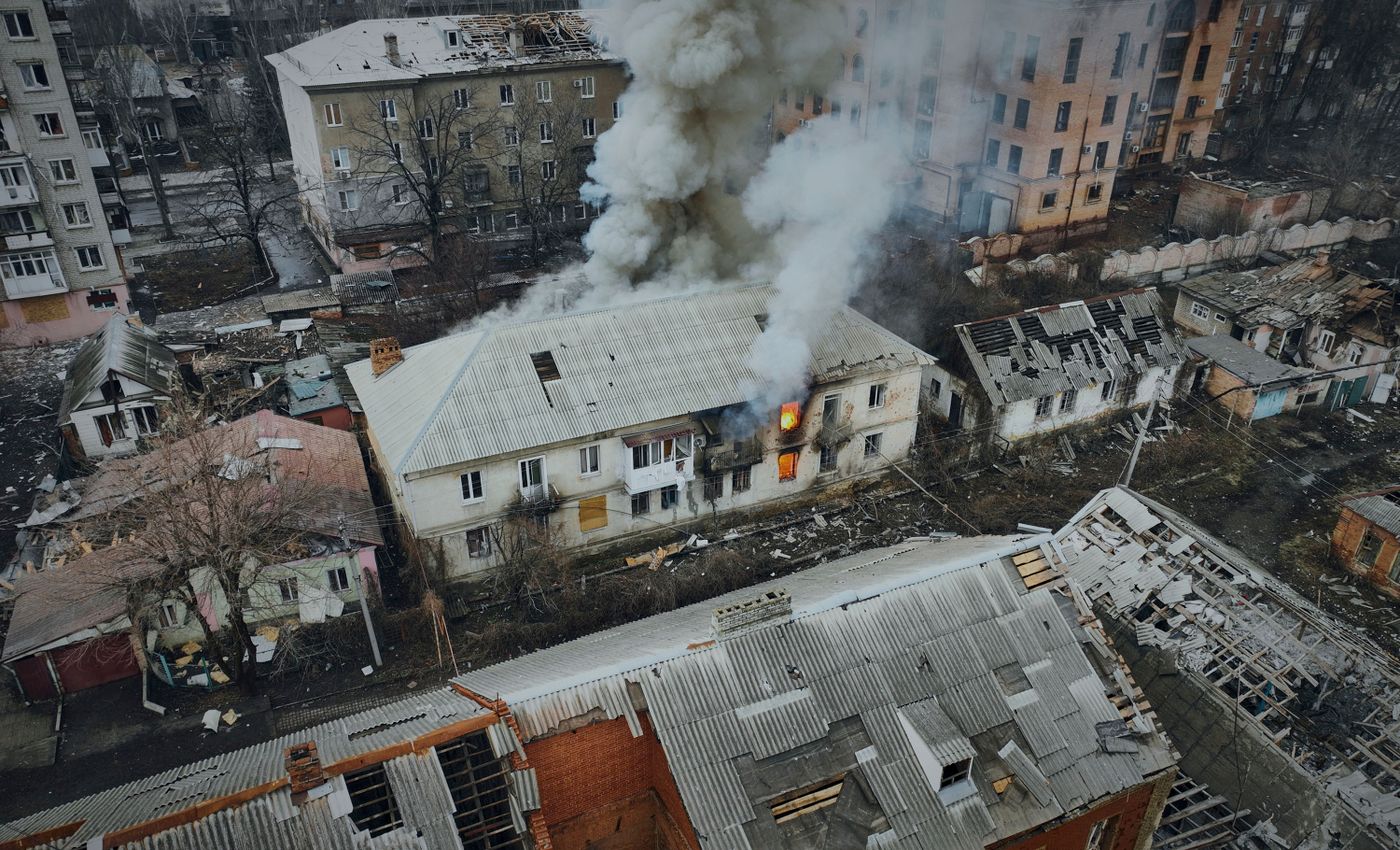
{"x": 1382, "y": 508}
{"x": 478, "y": 394}
{"x": 127, "y": 350}
{"x": 1245, "y": 362}
{"x": 917, "y": 630}
{"x": 1047, "y": 350}
{"x": 271, "y": 820}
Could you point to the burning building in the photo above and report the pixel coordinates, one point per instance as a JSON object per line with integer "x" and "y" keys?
{"x": 614, "y": 422}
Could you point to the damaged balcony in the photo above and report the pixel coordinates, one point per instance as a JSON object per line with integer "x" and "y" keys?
{"x": 658, "y": 459}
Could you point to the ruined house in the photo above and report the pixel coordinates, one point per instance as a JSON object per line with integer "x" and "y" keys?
{"x": 621, "y": 421}
{"x": 1305, "y": 312}
{"x": 1366, "y": 539}
{"x": 920, "y": 695}
{"x": 1061, "y": 366}
{"x": 70, "y": 623}
{"x": 1272, "y": 703}
{"x": 113, "y": 390}
{"x": 1245, "y": 381}
{"x": 1214, "y": 202}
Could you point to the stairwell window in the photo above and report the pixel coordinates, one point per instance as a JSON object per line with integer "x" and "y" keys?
{"x": 90, "y": 258}
{"x": 426, "y": 129}
{"x": 546, "y": 132}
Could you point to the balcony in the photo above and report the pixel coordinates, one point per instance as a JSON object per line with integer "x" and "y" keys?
{"x": 30, "y": 286}
{"x": 121, "y": 236}
{"x": 735, "y": 454}
{"x": 18, "y": 196}
{"x": 27, "y": 241}
{"x": 659, "y": 475}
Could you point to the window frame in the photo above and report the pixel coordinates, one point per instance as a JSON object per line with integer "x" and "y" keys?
{"x": 744, "y": 475}
{"x": 287, "y": 590}
{"x": 470, "y": 482}
{"x": 17, "y": 16}
{"x": 877, "y": 395}
{"x": 507, "y": 94}
{"x": 329, "y": 109}
{"x": 76, "y": 205}
{"x": 41, "y": 120}
{"x": 25, "y": 74}
{"x": 589, "y": 461}
{"x": 337, "y": 576}
{"x": 544, "y": 91}
{"x": 79, "y": 252}
{"x": 874, "y": 444}
{"x": 590, "y": 128}
{"x": 587, "y": 88}
{"x": 482, "y": 547}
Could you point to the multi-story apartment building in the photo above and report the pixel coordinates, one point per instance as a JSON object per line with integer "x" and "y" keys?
{"x": 407, "y": 129}
{"x": 62, "y": 274}
{"x": 1017, "y": 115}
{"x": 1273, "y": 49}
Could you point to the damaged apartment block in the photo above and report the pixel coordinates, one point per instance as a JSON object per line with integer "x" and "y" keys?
{"x": 615, "y": 422}
{"x": 1273, "y": 704}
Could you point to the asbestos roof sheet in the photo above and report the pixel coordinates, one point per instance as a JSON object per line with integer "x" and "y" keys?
{"x": 1383, "y": 509}
{"x": 869, "y": 640}
{"x": 272, "y": 820}
{"x": 1071, "y": 346}
{"x": 125, "y": 349}
{"x": 356, "y": 53}
{"x": 478, "y": 394}
{"x": 1250, "y": 365}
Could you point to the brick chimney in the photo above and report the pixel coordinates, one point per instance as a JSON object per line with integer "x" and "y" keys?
{"x": 391, "y": 48}
{"x": 304, "y": 767}
{"x": 773, "y": 606}
{"x": 384, "y": 354}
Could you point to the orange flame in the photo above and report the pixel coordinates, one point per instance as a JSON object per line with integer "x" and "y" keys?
{"x": 790, "y": 416}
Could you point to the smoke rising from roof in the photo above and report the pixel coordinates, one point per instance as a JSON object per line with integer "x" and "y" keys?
{"x": 694, "y": 194}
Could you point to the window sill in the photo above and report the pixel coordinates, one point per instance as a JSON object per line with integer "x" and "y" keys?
{"x": 594, "y": 474}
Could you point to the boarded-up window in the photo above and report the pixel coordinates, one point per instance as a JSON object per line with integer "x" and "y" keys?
{"x": 592, "y": 513}
{"x": 46, "y": 308}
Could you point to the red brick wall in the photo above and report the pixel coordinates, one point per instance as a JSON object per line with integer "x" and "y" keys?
{"x": 1346, "y": 540}
{"x": 1131, "y": 807}
{"x": 596, "y": 767}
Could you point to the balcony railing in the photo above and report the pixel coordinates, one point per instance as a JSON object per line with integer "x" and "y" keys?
{"x": 24, "y": 241}
{"x": 18, "y": 196}
{"x": 30, "y": 286}
{"x": 659, "y": 475}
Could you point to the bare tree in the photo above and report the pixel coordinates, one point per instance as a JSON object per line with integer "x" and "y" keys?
{"x": 172, "y": 24}
{"x": 123, "y": 76}
{"x": 208, "y": 515}
{"x": 547, "y": 164}
{"x": 243, "y": 201}
{"x": 423, "y": 158}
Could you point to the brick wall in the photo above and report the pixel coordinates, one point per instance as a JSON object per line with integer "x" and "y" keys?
{"x": 598, "y": 781}
{"x": 1218, "y": 385}
{"x": 1346, "y": 539}
{"x": 1130, "y": 807}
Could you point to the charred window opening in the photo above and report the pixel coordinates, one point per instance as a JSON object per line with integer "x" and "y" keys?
{"x": 806, "y": 800}
{"x": 477, "y": 780}
{"x": 373, "y": 807}
{"x": 787, "y": 465}
{"x": 790, "y": 416}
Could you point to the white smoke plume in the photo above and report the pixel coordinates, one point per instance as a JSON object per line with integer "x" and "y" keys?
{"x": 695, "y": 196}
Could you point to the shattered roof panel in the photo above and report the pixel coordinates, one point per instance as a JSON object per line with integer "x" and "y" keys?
{"x": 723, "y": 709}
{"x": 1047, "y": 350}
{"x": 356, "y": 53}
{"x": 128, "y": 350}
{"x": 85, "y": 593}
{"x": 1305, "y": 289}
{"x": 1184, "y": 590}
{"x": 1245, "y": 362}
{"x": 477, "y": 394}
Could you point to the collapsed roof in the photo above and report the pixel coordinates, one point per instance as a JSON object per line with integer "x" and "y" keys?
{"x": 1308, "y": 289}
{"x": 1263, "y": 646}
{"x": 120, "y": 348}
{"x": 480, "y": 394}
{"x": 1245, "y": 362}
{"x": 1047, "y": 350}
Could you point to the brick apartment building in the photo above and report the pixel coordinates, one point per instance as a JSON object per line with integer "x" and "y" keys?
{"x": 1366, "y": 539}
{"x": 62, "y": 273}
{"x": 1017, "y": 116}
{"x": 916, "y": 696}
{"x": 488, "y": 119}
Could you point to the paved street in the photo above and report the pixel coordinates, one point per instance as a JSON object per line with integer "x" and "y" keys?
{"x": 298, "y": 261}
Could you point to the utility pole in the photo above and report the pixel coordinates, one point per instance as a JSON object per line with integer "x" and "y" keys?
{"x": 360, "y": 592}
{"x": 1126, "y": 479}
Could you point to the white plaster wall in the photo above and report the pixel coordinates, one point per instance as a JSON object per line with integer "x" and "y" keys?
{"x": 434, "y": 507}
{"x": 1018, "y": 420}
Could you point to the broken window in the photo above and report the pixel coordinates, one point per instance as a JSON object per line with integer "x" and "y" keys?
{"x": 1101, "y": 834}
{"x": 1062, "y": 113}
{"x": 1093, "y": 193}
{"x": 1355, "y": 354}
{"x": 112, "y": 389}
{"x": 1325, "y": 339}
{"x": 872, "y": 444}
{"x": 1013, "y": 159}
{"x": 1076, "y": 46}
{"x": 1110, "y": 391}
{"x": 111, "y": 427}
{"x": 479, "y": 542}
{"x": 671, "y": 449}
{"x": 827, "y": 460}
{"x": 993, "y": 151}
{"x": 1052, "y": 169}
{"x": 1120, "y": 54}
{"x": 1048, "y": 200}
{"x": 669, "y": 496}
{"x": 877, "y": 395}
{"x": 998, "y": 108}
{"x": 641, "y": 503}
{"x": 741, "y": 480}
{"x": 471, "y": 486}
{"x": 1200, "y": 310}
{"x": 1043, "y": 406}
{"x": 1023, "y": 113}
{"x": 1370, "y": 548}
{"x": 477, "y": 780}
{"x": 287, "y": 589}
{"x": 507, "y": 95}
{"x": 338, "y": 579}
{"x": 1068, "y": 400}
{"x": 958, "y": 771}
{"x": 1110, "y": 110}
{"x": 714, "y": 486}
{"x": 169, "y": 615}
{"x": 804, "y": 801}
{"x": 787, "y": 465}
{"x": 1030, "y": 58}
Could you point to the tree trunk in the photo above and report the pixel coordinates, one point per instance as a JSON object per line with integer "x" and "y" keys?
{"x": 157, "y": 187}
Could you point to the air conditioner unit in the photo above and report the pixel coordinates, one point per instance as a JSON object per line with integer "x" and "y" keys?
{"x": 1135, "y": 148}
{"x": 447, "y": 202}
{"x": 578, "y": 84}
{"x": 342, "y": 174}
{"x": 1142, "y": 107}
{"x": 699, "y": 441}
{"x": 1128, "y": 136}
{"x": 1088, "y": 149}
